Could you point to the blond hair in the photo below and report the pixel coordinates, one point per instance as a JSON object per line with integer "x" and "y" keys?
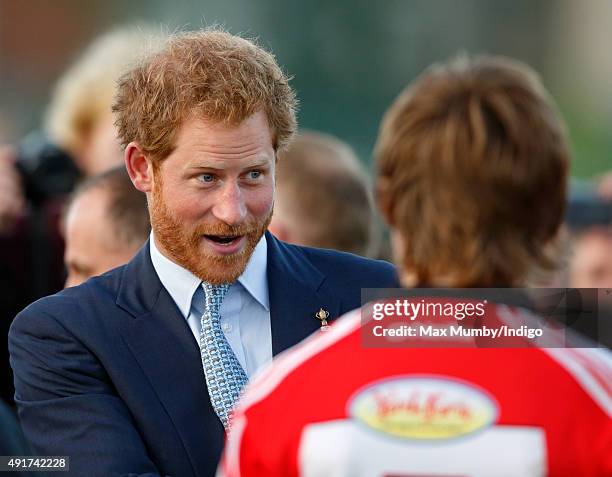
{"x": 211, "y": 74}
{"x": 472, "y": 164}
{"x": 84, "y": 94}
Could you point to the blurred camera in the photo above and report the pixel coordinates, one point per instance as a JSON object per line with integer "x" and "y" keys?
{"x": 47, "y": 170}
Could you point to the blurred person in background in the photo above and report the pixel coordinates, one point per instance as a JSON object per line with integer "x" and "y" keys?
{"x": 37, "y": 176}
{"x": 323, "y": 197}
{"x": 590, "y": 221}
{"x": 79, "y": 138}
{"x": 472, "y": 168}
{"x": 11, "y": 188}
{"x": 79, "y": 119}
{"x": 12, "y": 442}
{"x": 603, "y": 186}
{"x": 106, "y": 222}
{"x": 12, "y": 201}
{"x": 590, "y": 263}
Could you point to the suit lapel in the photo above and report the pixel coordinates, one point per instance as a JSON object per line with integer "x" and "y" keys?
{"x": 162, "y": 343}
{"x": 296, "y": 291}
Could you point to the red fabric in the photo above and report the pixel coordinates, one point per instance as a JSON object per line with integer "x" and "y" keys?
{"x": 531, "y": 389}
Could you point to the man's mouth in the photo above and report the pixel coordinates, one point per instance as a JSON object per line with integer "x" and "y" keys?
{"x": 226, "y": 240}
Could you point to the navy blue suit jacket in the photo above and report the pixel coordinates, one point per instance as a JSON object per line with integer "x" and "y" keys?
{"x": 109, "y": 374}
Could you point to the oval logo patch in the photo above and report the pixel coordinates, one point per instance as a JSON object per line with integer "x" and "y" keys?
{"x": 423, "y": 407}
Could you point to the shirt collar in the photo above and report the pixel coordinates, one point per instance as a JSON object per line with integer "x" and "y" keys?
{"x": 182, "y": 284}
{"x": 255, "y": 276}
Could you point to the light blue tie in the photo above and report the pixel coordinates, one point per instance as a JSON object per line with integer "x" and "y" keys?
{"x": 225, "y": 377}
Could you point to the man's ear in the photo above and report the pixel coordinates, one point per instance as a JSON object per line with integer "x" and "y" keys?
{"x": 139, "y": 167}
{"x": 384, "y": 200}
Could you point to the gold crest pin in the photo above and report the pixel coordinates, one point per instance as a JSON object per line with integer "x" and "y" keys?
{"x": 322, "y": 315}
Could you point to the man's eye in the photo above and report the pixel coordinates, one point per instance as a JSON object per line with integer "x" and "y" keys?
{"x": 206, "y": 177}
{"x": 254, "y": 174}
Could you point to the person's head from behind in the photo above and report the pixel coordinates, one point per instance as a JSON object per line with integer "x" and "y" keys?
{"x": 202, "y": 120}
{"x": 323, "y": 197}
{"x": 106, "y": 222}
{"x": 472, "y": 169}
{"x": 79, "y": 118}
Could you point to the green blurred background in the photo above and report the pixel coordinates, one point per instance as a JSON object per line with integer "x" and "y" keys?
{"x": 349, "y": 58}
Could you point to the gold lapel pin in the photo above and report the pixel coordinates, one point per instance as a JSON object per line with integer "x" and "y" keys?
{"x": 323, "y": 315}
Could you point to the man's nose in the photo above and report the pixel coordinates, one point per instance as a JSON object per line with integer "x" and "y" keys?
{"x": 229, "y": 206}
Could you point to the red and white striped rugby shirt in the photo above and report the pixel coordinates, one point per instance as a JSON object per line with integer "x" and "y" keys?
{"x": 330, "y": 407}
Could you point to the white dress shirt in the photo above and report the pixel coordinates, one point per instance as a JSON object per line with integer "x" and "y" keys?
{"x": 245, "y": 311}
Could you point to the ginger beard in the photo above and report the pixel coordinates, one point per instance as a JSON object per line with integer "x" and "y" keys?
{"x": 184, "y": 243}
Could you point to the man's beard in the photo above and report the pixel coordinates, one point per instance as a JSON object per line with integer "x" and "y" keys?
{"x": 184, "y": 243}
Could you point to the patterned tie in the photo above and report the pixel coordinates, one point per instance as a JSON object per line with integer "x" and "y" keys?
{"x": 225, "y": 377}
